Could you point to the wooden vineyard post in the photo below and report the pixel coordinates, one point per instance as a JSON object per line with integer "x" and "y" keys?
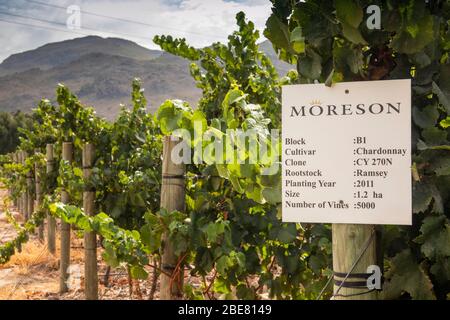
{"x": 15, "y": 160}
{"x": 172, "y": 198}
{"x": 30, "y": 196}
{"x": 19, "y": 196}
{"x": 25, "y": 195}
{"x": 22, "y": 194}
{"x": 37, "y": 180}
{"x": 90, "y": 238}
{"x": 67, "y": 154}
{"x": 354, "y": 247}
{"x": 51, "y": 222}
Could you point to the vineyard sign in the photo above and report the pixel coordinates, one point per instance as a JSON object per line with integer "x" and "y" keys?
{"x": 347, "y": 153}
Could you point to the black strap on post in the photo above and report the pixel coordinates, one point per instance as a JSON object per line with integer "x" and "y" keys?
{"x": 168, "y": 267}
{"x": 353, "y": 284}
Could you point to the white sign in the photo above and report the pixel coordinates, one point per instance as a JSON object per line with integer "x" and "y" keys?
{"x": 347, "y": 153}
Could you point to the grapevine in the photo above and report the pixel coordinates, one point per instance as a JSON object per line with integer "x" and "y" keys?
{"x": 231, "y": 229}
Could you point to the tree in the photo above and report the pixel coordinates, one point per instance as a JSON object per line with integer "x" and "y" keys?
{"x": 10, "y": 125}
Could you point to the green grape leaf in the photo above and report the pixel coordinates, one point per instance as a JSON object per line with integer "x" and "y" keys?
{"x": 223, "y": 264}
{"x": 109, "y": 255}
{"x": 137, "y": 272}
{"x": 287, "y": 234}
{"x": 435, "y": 237}
{"x": 214, "y": 230}
{"x": 310, "y": 65}
{"x": 278, "y": 33}
{"x": 441, "y": 270}
{"x": 441, "y": 166}
{"x": 405, "y": 42}
{"x": 434, "y": 136}
{"x": 427, "y": 117}
{"x": 445, "y": 123}
{"x": 352, "y": 34}
{"x": 349, "y": 12}
{"x": 422, "y": 197}
{"x": 297, "y": 40}
{"x": 406, "y": 275}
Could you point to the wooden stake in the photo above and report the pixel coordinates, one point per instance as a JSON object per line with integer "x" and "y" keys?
{"x": 30, "y": 196}
{"x": 21, "y": 195}
{"x": 37, "y": 180}
{"x": 67, "y": 154}
{"x": 15, "y": 160}
{"x": 25, "y": 194}
{"x": 51, "y": 222}
{"x": 90, "y": 238}
{"x": 172, "y": 198}
{"x": 353, "y": 244}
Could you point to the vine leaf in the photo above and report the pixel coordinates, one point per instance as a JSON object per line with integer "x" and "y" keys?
{"x": 435, "y": 237}
{"x": 423, "y": 146}
{"x": 171, "y": 114}
{"x": 413, "y": 37}
{"x": 109, "y": 255}
{"x": 426, "y": 117}
{"x": 278, "y": 33}
{"x": 297, "y": 40}
{"x": 287, "y": 233}
{"x": 406, "y": 275}
{"x": 442, "y": 96}
{"x": 349, "y": 12}
{"x": 442, "y": 88}
{"x": 310, "y": 64}
{"x": 421, "y": 197}
{"x": 445, "y": 123}
{"x": 350, "y": 15}
{"x": 352, "y": 34}
{"x": 441, "y": 270}
{"x": 441, "y": 166}
{"x": 434, "y": 136}
{"x": 138, "y": 272}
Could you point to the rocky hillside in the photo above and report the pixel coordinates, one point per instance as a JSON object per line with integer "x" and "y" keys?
{"x": 100, "y": 72}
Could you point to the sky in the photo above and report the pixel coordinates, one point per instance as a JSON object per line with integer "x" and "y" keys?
{"x": 28, "y": 24}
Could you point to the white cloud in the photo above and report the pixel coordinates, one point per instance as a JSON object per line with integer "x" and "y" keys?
{"x": 200, "y": 22}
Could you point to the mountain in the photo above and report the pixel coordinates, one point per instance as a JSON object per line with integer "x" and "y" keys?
{"x": 99, "y": 71}
{"x": 60, "y": 53}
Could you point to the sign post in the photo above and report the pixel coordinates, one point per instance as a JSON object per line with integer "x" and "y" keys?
{"x": 347, "y": 161}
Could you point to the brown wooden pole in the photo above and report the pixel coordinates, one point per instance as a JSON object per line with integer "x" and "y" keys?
{"x": 51, "y": 222}
{"x": 172, "y": 198}
{"x": 30, "y": 195}
{"x": 353, "y": 244}
{"x": 37, "y": 180}
{"x": 67, "y": 154}
{"x": 10, "y": 189}
{"x": 90, "y": 238}
{"x": 25, "y": 207}
{"x": 21, "y": 195}
{"x": 15, "y": 160}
